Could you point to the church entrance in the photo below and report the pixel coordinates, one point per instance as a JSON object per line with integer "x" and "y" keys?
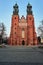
{"x": 23, "y": 42}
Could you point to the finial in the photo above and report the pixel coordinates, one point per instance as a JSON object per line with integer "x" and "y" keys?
{"x": 15, "y": 6}
{"x": 29, "y": 5}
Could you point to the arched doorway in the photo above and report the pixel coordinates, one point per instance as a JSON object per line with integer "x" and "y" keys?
{"x": 23, "y": 42}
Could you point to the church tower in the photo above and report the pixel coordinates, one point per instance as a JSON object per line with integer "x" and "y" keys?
{"x": 31, "y": 34}
{"x": 22, "y": 30}
{"x": 14, "y": 26}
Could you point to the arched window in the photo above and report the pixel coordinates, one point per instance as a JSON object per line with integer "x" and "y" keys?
{"x": 23, "y": 33}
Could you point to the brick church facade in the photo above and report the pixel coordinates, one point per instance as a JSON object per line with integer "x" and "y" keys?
{"x": 22, "y": 30}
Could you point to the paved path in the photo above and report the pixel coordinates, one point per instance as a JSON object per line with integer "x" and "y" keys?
{"x": 22, "y": 54}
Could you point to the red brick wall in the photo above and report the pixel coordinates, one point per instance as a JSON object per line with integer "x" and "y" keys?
{"x": 32, "y": 38}
{"x": 27, "y": 24}
{"x": 14, "y": 26}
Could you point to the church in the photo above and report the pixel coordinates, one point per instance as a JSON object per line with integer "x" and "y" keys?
{"x": 22, "y": 29}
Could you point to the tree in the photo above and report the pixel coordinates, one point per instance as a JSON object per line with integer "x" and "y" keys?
{"x": 40, "y": 30}
{"x": 2, "y": 32}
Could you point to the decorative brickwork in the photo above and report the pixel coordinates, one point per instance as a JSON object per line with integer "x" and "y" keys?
{"x": 23, "y": 30}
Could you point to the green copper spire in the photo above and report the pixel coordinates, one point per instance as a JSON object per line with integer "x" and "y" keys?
{"x": 29, "y": 9}
{"x": 16, "y": 10}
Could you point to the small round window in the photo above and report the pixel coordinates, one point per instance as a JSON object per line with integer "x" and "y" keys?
{"x": 15, "y": 23}
{"x": 30, "y": 18}
{"x": 15, "y": 32}
{"x": 15, "y": 28}
{"x": 15, "y": 17}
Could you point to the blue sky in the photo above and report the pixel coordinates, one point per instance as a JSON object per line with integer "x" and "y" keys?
{"x": 6, "y": 11}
